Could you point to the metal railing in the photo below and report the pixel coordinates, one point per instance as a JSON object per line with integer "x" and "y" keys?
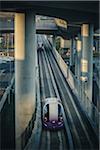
{"x": 6, "y": 93}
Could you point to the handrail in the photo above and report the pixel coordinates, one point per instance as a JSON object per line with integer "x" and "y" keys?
{"x": 7, "y": 91}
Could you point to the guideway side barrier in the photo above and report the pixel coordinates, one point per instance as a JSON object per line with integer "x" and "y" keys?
{"x": 86, "y": 104}
{"x": 35, "y": 138}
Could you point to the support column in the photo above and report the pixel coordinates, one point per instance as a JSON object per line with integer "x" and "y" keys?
{"x": 54, "y": 41}
{"x": 97, "y": 45}
{"x": 72, "y": 61}
{"x": 76, "y": 59}
{"x": 25, "y": 61}
{"x": 87, "y": 58}
{"x": 90, "y": 63}
{"x": 12, "y": 40}
{"x": 78, "y": 48}
{"x": 71, "y": 53}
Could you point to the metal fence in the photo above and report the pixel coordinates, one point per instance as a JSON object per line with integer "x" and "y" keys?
{"x": 7, "y": 92}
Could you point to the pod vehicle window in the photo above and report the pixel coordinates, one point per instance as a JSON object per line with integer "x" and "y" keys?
{"x": 52, "y": 114}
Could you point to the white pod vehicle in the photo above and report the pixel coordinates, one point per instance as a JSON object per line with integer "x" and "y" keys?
{"x": 53, "y": 113}
{"x": 40, "y": 45}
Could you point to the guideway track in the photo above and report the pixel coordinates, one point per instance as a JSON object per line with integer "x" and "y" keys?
{"x": 51, "y": 140}
{"x": 81, "y": 130}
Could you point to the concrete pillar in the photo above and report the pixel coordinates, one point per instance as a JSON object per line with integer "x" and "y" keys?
{"x": 87, "y": 58}
{"x": 78, "y": 48}
{"x": 71, "y": 53}
{"x": 25, "y": 61}
{"x": 97, "y": 45}
{"x": 54, "y": 41}
{"x": 90, "y": 63}
{"x": 12, "y": 40}
{"x": 72, "y": 61}
{"x": 76, "y": 58}
{"x": 8, "y": 41}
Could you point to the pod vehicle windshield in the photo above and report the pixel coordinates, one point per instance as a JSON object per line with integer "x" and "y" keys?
{"x": 53, "y": 114}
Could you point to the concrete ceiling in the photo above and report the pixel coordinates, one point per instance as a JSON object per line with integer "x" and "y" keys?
{"x": 75, "y": 12}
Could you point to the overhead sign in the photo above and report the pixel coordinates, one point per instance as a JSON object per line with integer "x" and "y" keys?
{"x": 61, "y": 23}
